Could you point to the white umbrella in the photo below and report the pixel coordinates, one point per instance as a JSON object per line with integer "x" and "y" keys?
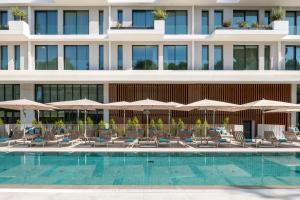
{"x": 285, "y": 110}
{"x": 81, "y": 104}
{"x": 207, "y": 104}
{"x": 265, "y": 105}
{"x": 147, "y": 105}
{"x": 25, "y": 104}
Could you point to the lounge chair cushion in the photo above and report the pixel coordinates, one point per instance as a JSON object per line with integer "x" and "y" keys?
{"x": 188, "y": 140}
{"x": 130, "y": 139}
{"x": 66, "y": 139}
{"x": 282, "y": 140}
{"x": 4, "y": 139}
{"x": 248, "y": 140}
{"x": 39, "y": 139}
{"x": 164, "y": 140}
{"x": 222, "y": 140}
{"x": 99, "y": 139}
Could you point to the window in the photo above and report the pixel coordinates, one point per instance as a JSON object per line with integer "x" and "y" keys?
{"x": 175, "y": 57}
{"x": 120, "y": 16}
{"x": 267, "y": 17}
{"x": 46, "y": 22}
{"x": 46, "y": 57}
{"x": 17, "y": 57}
{"x": 294, "y": 22}
{"x": 50, "y": 93}
{"x": 76, "y": 22}
{"x": 101, "y": 22}
{"x": 145, "y": 57}
{"x": 176, "y": 22}
{"x": 76, "y": 57}
{"x": 205, "y": 22}
{"x": 9, "y": 92}
{"x": 267, "y": 58}
{"x": 120, "y": 57}
{"x": 3, "y": 20}
{"x": 101, "y": 57}
{"x": 245, "y": 57}
{"x": 245, "y": 16}
{"x": 205, "y": 57}
{"x": 3, "y": 58}
{"x": 218, "y": 54}
{"x": 142, "y": 18}
{"x": 218, "y": 18}
{"x": 292, "y": 57}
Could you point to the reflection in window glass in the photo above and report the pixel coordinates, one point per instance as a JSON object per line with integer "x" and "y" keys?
{"x": 205, "y": 22}
{"x": 3, "y": 20}
{"x": 101, "y": 22}
{"x": 205, "y": 57}
{"x": 267, "y": 58}
{"x": 9, "y": 92}
{"x": 176, "y": 22}
{"x": 245, "y": 57}
{"x": 218, "y": 18}
{"x": 76, "y": 57}
{"x": 76, "y": 22}
{"x": 46, "y": 57}
{"x": 292, "y": 57}
{"x": 175, "y": 57}
{"x": 143, "y": 18}
{"x": 46, "y": 22}
{"x": 17, "y": 57}
{"x": 120, "y": 57}
{"x": 245, "y": 16}
{"x": 145, "y": 57}
{"x": 3, "y": 58}
{"x": 218, "y": 57}
{"x": 267, "y": 17}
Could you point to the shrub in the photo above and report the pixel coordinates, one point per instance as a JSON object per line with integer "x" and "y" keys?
{"x": 160, "y": 14}
{"x": 112, "y": 125}
{"x": 173, "y": 130}
{"x": 180, "y": 124}
{"x": 1, "y": 122}
{"x": 277, "y": 14}
{"x": 197, "y": 127}
{"x": 227, "y": 23}
{"x": 18, "y": 14}
{"x": 152, "y": 124}
{"x": 59, "y": 123}
{"x": 160, "y": 124}
{"x": 242, "y": 24}
{"x": 101, "y": 124}
{"x": 254, "y": 25}
{"x": 225, "y": 122}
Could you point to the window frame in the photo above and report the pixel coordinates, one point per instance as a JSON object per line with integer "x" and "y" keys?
{"x": 175, "y": 23}
{"x": 76, "y": 23}
{"x": 157, "y": 55}
{"x": 47, "y": 59}
{"x": 175, "y": 59}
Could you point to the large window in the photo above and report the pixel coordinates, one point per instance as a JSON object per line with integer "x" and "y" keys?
{"x": 76, "y": 57}
{"x": 46, "y": 57}
{"x": 267, "y": 57}
{"x": 294, "y": 22}
{"x": 120, "y": 57}
{"x": 101, "y": 22}
{"x": 175, "y": 57}
{"x": 205, "y": 22}
{"x": 205, "y": 57}
{"x": 101, "y": 57}
{"x": 218, "y": 57}
{"x": 120, "y": 17}
{"x": 218, "y": 15}
{"x": 267, "y": 17}
{"x": 145, "y": 57}
{"x": 292, "y": 57}
{"x": 52, "y": 93}
{"x": 9, "y": 92}
{"x": 245, "y": 57}
{"x": 142, "y": 18}
{"x": 17, "y": 57}
{"x": 176, "y": 22}
{"x": 3, "y": 58}
{"x": 76, "y": 22}
{"x": 249, "y": 16}
{"x": 46, "y": 22}
{"x": 3, "y": 20}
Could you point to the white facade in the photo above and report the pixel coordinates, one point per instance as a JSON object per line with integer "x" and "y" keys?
{"x": 23, "y": 34}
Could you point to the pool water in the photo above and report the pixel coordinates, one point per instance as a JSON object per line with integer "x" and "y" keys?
{"x": 168, "y": 169}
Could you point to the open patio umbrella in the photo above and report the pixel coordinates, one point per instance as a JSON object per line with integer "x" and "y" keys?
{"x": 25, "y": 104}
{"x": 265, "y": 105}
{"x": 212, "y": 105}
{"x": 285, "y": 110}
{"x": 81, "y": 104}
{"x": 147, "y": 105}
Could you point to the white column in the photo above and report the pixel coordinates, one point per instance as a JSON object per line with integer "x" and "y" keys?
{"x": 11, "y": 57}
{"x": 193, "y": 55}
{"x": 27, "y": 92}
{"x": 279, "y": 61}
{"x": 294, "y": 100}
{"x": 29, "y": 53}
{"x": 211, "y": 55}
{"x": 94, "y": 22}
{"x": 60, "y": 52}
{"x": 29, "y": 19}
{"x": 109, "y": 17}
{"x": 109, "y": 56}
{"x": 228, "y": 56}
{"x": 94, "y": 56}
{"x": 106, "y": 100}
{"x": 261, "y": 57}
{"x": 193, "y": 19}
{"x": 161, "y": 57}
{"x": 60, "y": 23}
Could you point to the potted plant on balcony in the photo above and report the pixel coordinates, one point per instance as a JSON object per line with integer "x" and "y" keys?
{"x": 242, "y": 24}
{"x": 255, "y": 25}
{"x": 19, "y": 14}
{"x": 227, "y": 24}
{"x": 277, "y": 14}
{"x": 160, "y": 14}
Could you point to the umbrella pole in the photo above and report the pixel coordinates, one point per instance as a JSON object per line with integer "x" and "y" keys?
{"x": 169, "y": 121}
{"x": 124, "y": 121}
{"x": 205, "y": 130}
{"x": 214, "y": 115}
{"x": 38, "y": 116}
{"x": 147, "y": 116}
{"x": 78, "y": 120}
{"x": 263, "y": 122}
{"x": 85, "y": 123}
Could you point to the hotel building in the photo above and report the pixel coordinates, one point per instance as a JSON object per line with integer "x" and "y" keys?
{"x": 115, "y": 50}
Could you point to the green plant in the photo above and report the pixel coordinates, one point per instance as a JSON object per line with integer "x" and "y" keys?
{"x": 180, "y": 124}
{"x": 89, "y": 122}
{"x": 81, "y": 125}
{"x": 1, "y": 122}
{"x": 18, "y": 14}
{"x": 204, "y": 128}
{"x": 173, "y": 130}
{"x": 152, "y": 124}
{"x": 112, "y": 125}
{"x": 254, "y": 25}
{"x": 227, "y": 23}
{"x": 18, "y": 123}
{"x": 101, "y": 124}
{"x": 225, "y": 122}
{"x": 160, "y": 124}
{"x": 160, "y": 14}
{"x": 136, "y": 123}
{"x": 59, "y": 123}
{"x": 277, "y": 14}
{"x": 242, "y": 24}
{"x": 197, "y": 127}
{"x": 119, "y": 25}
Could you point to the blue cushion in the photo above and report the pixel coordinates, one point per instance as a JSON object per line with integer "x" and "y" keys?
{"x": 248, "y": 140}
{"x": 39, "y": 139}
{"x": 188, "y": 140}
{"x": 164, "y": 140}
{"x": 66, "y": 139}
{"x": 282, "y": 140}
{"x": 99, "y": 139}
{"x": 4, "y": 139}
{"x": 222, "y": 140}
{"x": 130, "y": 139}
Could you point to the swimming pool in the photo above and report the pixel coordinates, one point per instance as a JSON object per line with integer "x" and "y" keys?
{"x": 144, "y": 169}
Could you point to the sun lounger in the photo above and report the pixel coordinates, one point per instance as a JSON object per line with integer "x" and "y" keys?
{"x": 216, "y": 138}
{"x": 240, "y": 138}
{"x": 291, "y": 137}
{"x": 270, "y": 137}
{"x": 103, "y": 140}
{"x": 39, "y": 141}
{"x": 67, "y": 140}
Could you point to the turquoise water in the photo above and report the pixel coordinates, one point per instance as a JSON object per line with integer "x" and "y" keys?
{"x": 227, "y": 169}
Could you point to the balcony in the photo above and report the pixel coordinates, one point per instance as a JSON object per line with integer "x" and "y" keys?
{"x": 137, "y": 33}
{"x": 276, "y": 31}
{"x": 15, "y": 29}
